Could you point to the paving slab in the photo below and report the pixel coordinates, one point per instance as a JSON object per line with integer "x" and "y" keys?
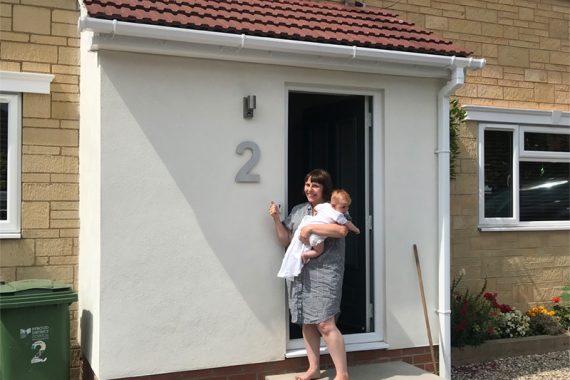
{"x": 379, "y": 371}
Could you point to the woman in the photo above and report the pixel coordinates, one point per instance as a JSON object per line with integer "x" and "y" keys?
{"x": 314, "y": 295}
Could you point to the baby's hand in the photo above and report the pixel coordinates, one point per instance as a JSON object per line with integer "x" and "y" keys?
{"x": 304, "y": 258}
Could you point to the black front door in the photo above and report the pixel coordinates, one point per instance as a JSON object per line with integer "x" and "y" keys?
{"x": 328, "y": 131}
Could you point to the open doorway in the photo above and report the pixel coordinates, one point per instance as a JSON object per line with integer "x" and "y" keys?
{"x": 331, "y": 131}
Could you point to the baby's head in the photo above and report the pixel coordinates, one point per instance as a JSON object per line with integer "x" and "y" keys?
{"x": 340, "y": 200}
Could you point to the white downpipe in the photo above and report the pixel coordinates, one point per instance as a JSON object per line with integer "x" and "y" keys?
{"x": 242, "y": 41}
{"x": 444, "y": 220}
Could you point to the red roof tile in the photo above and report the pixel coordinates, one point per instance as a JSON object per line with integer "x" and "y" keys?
{"x": 301, "y": 20}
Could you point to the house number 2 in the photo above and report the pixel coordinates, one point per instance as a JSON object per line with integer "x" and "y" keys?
{"x": 244, "y": 175}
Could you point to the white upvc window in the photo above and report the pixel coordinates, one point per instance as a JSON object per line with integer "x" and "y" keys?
{"x": 524, "y": 168}
{"x": 524, "y": 175}
{"x": 12, "y": 86}
{"x": 10, "y": 179}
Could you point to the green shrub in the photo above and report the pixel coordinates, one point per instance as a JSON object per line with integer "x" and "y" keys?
{"x": 457, "y": 116}
{"x": 562, "y": 307}
{"x": 544, "y": 324}
{"x": 471, "y": 322}
{"x": 563, "y": 313}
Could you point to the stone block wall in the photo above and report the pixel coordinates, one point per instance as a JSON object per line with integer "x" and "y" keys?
{"x": 41, "y": 36}
{"x": 526, "y": 45}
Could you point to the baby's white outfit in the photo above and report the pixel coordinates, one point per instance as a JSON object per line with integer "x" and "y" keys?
{"x": 292, "y": 263}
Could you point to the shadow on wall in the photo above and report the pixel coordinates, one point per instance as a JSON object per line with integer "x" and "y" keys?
{"x": 397, "y": 330}
{"x": 193, "y": 143}
{"x": 86, "y": 334}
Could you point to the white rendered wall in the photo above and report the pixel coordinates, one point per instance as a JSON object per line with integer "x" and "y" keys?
{"x": 188, "y": 257}
{"x": 90, "y": 205}
{"x": 411, "y": 211}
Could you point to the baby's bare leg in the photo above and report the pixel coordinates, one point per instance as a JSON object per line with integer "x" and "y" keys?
{"x": 312, "y": 253}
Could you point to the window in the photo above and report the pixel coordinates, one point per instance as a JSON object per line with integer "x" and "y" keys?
{"x": 524, "y": 174}
{"x": 10, "y": 142}
{"x": 12, "y": 85}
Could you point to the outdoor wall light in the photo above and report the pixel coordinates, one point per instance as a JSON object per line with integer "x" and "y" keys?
{"x": 248, "y": 106}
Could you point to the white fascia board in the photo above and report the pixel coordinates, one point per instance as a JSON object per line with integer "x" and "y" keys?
{"x": 187, "y": 42}
{"x": 191, "y": 50}
{"x": 11, "y": 81}
{"x": 517, "y": 116}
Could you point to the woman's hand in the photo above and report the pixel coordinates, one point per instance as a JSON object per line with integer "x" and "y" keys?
{"x": 274, "y": 210}
{"x": 283, "y": 234}
{"x": 305, "y": 233}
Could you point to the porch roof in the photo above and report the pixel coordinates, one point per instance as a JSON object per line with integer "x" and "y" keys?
{"x": 299, "y": 20}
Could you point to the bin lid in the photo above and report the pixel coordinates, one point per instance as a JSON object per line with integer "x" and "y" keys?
{"x": 35, "y": 292}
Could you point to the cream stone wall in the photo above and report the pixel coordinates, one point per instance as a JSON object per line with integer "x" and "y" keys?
{"x": 526, "y": 45}
{"x": 41, "y": 36}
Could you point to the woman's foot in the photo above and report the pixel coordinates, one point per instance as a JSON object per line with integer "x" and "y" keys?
{"x": 341, "y": 376}
{"x": 310, "y": 374}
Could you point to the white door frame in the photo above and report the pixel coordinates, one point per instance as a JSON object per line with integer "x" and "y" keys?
{"x": 375, "y": 339}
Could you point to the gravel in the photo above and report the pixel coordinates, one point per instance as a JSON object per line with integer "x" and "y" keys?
{"x": 551, "y": 366}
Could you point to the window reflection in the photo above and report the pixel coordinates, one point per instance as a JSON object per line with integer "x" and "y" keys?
{"x": 544, "y": 191}
{"x": 546, "y": 142}
{"x": 498, "y": 174}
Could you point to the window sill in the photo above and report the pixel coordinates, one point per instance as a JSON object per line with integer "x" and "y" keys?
{"x": 350, "y": 347}
{"x": 523, "y": 228}
{"x": 10, "y": 235}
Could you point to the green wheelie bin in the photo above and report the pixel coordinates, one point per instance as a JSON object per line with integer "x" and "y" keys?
{"x": 34, "y": 330}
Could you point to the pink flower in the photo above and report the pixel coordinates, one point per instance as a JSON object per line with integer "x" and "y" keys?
{"x": 555, "y": 299}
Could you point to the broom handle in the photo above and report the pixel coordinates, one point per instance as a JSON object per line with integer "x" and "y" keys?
{"x": 425, "y": 307}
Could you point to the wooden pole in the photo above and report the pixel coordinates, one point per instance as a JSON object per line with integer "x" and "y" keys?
{"x": 425, "y": 308}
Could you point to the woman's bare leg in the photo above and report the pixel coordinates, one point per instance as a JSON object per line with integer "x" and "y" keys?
{"x": 312, "y": 340}
{"x": 335, "y": 343}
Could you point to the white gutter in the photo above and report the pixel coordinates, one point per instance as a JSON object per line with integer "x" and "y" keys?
{"x": 241, "y": 42}
{"x": 444, "y": 219}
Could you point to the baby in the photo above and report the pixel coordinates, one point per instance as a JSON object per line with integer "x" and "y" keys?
{"x": 340, "y": 202}
{"x": 298, "y": 253}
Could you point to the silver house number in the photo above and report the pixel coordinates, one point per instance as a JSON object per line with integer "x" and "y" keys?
{"x": 244, "y": 175}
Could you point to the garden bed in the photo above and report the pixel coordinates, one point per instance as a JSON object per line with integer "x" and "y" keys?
{"x": 502, "y": 348}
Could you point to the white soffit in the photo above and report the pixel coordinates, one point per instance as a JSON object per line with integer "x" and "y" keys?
{"x": 517, "y": 116}
{"x": 11, "y": 81}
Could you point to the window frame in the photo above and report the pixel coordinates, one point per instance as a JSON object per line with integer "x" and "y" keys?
{"x": 533, "y": 154}
{"x": 10, "y": 228}
{"x": 12, "y": 86}
{"x": 519, "y": 155}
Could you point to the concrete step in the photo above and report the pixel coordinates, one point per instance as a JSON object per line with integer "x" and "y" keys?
{"x": 379, "y": 371}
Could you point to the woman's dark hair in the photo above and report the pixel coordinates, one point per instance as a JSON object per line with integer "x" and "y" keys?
{"x": 323, "y": 178}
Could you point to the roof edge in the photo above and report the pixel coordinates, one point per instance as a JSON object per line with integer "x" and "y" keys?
{"x": 241, "y": 42}
{"x": 517, "y": 115}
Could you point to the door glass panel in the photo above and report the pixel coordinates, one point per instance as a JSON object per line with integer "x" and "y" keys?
{"x": 546, "y": 142}
{"x": 544, "y": 191}
{"x": 498, "y": 174}
{"x": 3, "y": 161}
{"x": 327, "y": 131}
